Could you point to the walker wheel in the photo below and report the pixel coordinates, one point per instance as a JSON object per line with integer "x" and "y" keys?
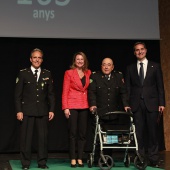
{"x": 127, "y": 162}
{"x": 90, "y": 160}
{"x": 108, "y": 164}
{"x": 140, "y": 164}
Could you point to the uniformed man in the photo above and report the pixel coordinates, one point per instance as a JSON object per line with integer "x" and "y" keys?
{"x": 106, "y": 88}
{"x": 107, "y": 92}
{"x": 35, "y": 106}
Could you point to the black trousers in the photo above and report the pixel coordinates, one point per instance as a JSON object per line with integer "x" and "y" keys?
{"x": 29, "y": 125}
{"x": 77, "y": 124}
{"x": 146, "y": 122}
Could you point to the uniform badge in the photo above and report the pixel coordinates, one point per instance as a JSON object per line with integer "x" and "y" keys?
{"x": 17, "y": 80}
{"x": 47, "y": 78}
{"x": 42, "y": 85}
{"x": 91, "y": 80}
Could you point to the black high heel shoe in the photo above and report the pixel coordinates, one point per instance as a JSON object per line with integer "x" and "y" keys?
{"x": 80, "y": 165}
{"x": 73, "y": 165}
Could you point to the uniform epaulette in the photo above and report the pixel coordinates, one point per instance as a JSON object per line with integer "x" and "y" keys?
{"x": 118, "y": 72}
{"x": 23, "y": 69}
{"x": 46, "y": 70}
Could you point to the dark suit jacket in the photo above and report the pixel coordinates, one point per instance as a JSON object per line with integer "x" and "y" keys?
{"x": 106, "y": 94}
{"x": 34, "y": 98}
{"x": 152, "y": 89}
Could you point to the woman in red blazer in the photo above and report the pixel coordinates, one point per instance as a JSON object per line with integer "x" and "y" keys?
{"x": 75, "y": 105}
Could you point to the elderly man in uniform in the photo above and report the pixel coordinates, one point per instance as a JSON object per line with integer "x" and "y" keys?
{"x": 107, "y": 91}
{"x": 106, "y": 88}
{"x": 35, "y": 106}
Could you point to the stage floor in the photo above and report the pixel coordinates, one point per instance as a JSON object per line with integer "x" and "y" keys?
{"x": 5, "y": 157}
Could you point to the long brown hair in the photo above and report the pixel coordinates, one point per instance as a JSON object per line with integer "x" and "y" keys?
{"x": 86, "y": 63}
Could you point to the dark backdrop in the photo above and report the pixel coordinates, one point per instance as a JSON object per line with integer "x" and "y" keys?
{"x": 15, "y": 53}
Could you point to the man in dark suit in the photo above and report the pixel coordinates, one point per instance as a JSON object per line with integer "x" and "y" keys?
{"x": 35, "y": 106}
{"x": 147, "y": 100}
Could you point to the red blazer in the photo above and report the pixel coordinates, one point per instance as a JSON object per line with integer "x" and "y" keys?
{"x": 74, "y": 95}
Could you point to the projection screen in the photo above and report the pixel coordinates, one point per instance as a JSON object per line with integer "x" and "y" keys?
{"x": 80, "y": 19}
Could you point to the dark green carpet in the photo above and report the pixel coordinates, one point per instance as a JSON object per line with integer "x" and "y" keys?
{"x": 64, "y": 164}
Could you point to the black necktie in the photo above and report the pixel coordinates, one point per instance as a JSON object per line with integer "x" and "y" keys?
{"x": 141, "y": 73}
{"x": 35, "y": 74}
{"x": 107, "y": 77}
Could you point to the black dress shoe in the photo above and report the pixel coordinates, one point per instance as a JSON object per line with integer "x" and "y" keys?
{"x": 25, "y": 167}
{"x": 154, "y": 164}
{"x": 80, "y": 165}
{"x": 43, "y": 166}
{"x": 73, "y": 165}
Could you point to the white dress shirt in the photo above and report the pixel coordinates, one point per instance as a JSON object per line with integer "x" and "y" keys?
{"x": 38, "y": 73}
